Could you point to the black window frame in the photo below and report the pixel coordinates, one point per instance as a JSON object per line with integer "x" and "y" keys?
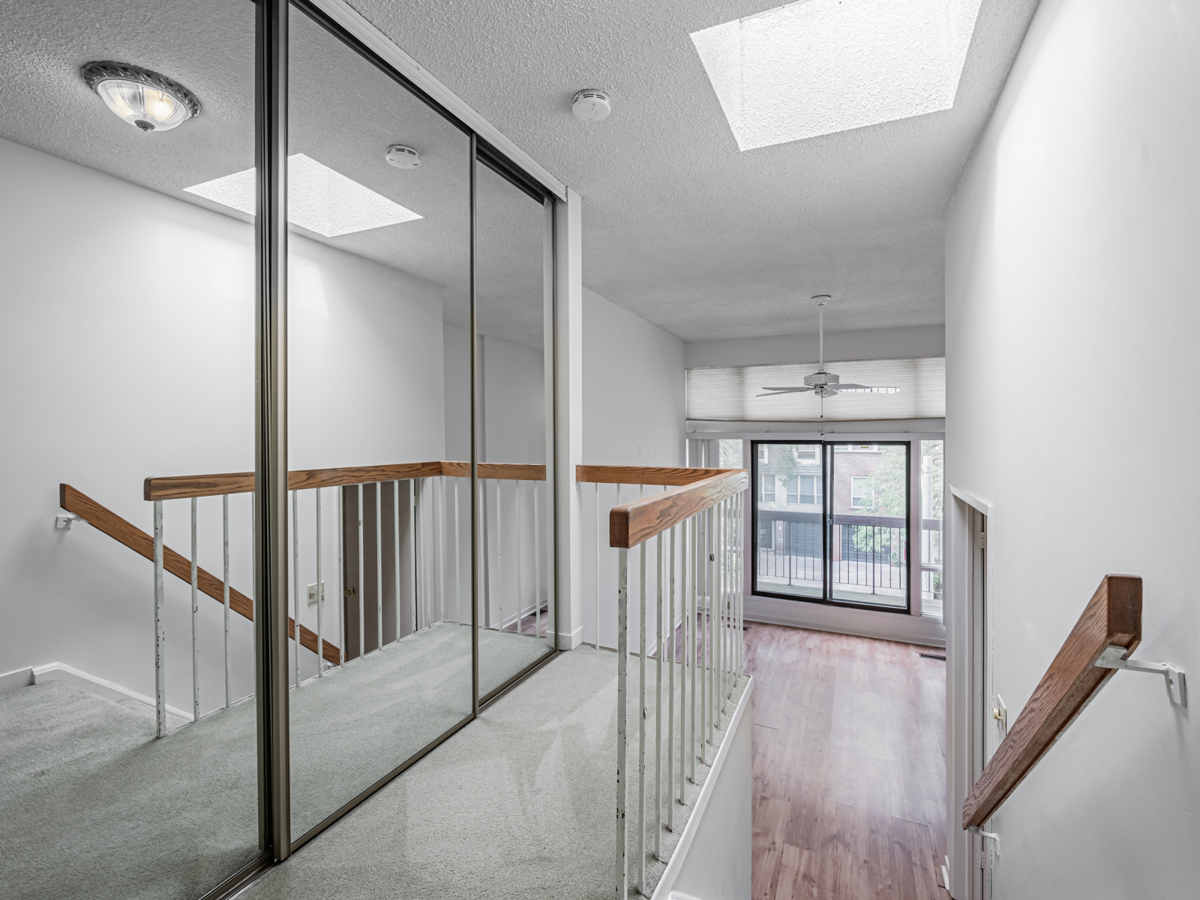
{"x": 826, "y": 458}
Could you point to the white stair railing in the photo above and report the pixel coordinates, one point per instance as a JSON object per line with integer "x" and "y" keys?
{"x": 689, "y": 624}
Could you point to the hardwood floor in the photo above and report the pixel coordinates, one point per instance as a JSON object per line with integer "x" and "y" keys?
{"x": 849, "y": 767}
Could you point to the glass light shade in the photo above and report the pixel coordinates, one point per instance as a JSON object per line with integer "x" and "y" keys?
{"x": 144, "y": 99}
{"x": 138, "y": 104}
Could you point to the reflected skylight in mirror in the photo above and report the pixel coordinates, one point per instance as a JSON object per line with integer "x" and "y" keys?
{"x": 823, "y": 66}
{"x": 319, "y": 199}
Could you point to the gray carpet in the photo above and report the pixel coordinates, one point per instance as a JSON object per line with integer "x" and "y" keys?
{"x": 93, "y": 806}
{"x": 519, "y": 804}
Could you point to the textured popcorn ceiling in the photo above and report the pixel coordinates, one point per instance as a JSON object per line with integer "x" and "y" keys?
{"x": 681, "y": 227}
{"x": 823, "y": 66}
{"x": 344, "y": 113}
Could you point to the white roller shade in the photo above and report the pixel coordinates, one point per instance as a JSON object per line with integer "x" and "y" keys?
{"x": 728, "y": 394}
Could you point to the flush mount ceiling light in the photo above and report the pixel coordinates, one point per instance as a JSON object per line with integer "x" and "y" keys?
{"x": 144, "y": 99}
{"x": 823, "y": 66}
{"x": 319, "y": 199}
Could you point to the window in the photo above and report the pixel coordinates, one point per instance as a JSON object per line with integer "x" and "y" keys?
{"x": 860, "y": 493}
{"x": 842, "y": 536}
{"x": 729, "y": 454}
{"x": 809, "y": 489}
{"x": 762, "y": 453}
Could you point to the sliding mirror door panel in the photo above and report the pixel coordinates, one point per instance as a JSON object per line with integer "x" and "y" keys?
{"x": 514, "y": 389}
{"x": 127, "y": 655}
{"x": 379, "y": 271}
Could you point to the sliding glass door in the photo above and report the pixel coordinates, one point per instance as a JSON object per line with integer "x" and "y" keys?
{"x": 789, "y": 481}
{"x": 831, "y": 522}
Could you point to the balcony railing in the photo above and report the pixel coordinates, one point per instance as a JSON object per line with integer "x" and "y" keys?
{"x": 868, "y": 555}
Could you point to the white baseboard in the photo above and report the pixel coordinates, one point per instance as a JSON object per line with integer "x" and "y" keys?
{"x": 570, "y": 640}
{"x": 869, "y": 623}
{"x": 16, "y": 679}
{"x": 67, "y": 674}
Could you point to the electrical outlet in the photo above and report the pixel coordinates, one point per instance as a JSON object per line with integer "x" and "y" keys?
{"x": 312, "y": 594}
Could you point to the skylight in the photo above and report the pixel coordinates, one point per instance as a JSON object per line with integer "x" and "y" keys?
{"x": 319, "y": 199}
{"x": 822, "y": 66}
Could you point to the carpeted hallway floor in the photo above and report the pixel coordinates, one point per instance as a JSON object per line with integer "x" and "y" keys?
{"x": 94, "y": 806}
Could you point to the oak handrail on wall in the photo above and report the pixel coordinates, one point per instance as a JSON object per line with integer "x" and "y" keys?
{"x": 178, "y": 487}
{"x": 125, "y": 532}
{"x": 1112, "y": 618}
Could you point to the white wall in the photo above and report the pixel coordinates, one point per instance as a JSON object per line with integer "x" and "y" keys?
{"x": 128, "y": 322}
{"x": 715, "y": 855}
{"x": 633, "y": 415}
{"x": 1071, "y": 328}
{"x": 874, "y": 343}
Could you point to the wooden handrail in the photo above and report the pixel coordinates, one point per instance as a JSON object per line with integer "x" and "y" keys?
{"x": 180, "y": 487}
{"x": 1112, "y": 618}
{"x": 121, "y": 530}
{"x": 636, "y": 522}
{"x": 666, "y": 475}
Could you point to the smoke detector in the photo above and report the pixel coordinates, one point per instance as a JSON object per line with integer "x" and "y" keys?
{"x": 591, "y": 105}
{"x": 403, "y": 157}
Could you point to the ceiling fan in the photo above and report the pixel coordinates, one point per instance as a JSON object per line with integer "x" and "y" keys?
{"x": 825, "y": 384}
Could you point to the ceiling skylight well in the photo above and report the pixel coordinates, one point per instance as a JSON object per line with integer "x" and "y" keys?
{"x": 822, "y": 66}
{"x": 319, "y": 199}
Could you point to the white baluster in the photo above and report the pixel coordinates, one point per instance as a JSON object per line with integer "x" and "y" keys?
{"x": 160, "y": 634}
{"x": 598, "y": 539}
{"x": 362, "y": 580}
{"x": 379, "y": 565}
{"x": 195, "y": 613}
{"x": 672, "y": 659}
{"x": 642, "y": 723}
{"x": 296, "y": 582}
{"x": 457, "y": 559}
{"x": 622, "y": 873}
{"x": 320, "y": 590}
{"x": 225, "y": 585}
{"x": 341, "y": 533}
{"x": 658, "y": 687}
{"x": 520, "y": 560}
{"x": 396, "y": 551}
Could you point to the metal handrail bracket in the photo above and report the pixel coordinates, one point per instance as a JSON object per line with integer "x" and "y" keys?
{"x": 1114, "y": 658}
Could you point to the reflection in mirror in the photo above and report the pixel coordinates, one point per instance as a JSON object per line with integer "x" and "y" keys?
{"x": 514, "y": 352}
{"x": 127, "y": 719}
{"x": 379, "y": 263}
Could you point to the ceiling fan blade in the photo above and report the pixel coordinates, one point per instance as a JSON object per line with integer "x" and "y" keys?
{"x": 777, "y": 391}
{"x": 866, "y": 389}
